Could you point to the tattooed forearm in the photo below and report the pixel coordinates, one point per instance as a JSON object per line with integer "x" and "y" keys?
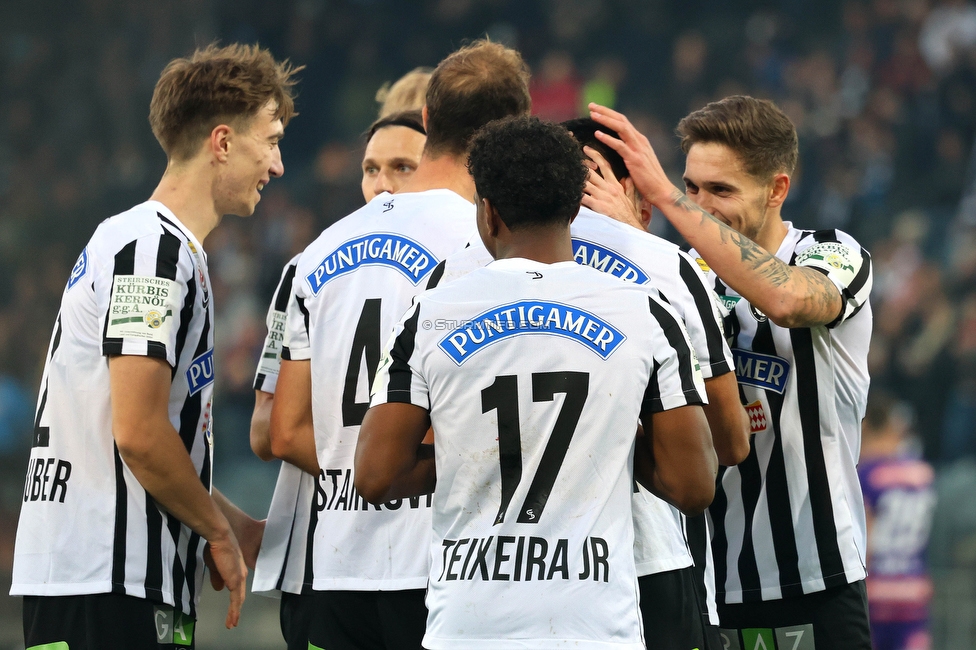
{"x": 681, "y": 200}
{"x": 774, "y": 271}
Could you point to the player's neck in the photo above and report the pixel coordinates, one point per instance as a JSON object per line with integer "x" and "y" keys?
{"x": 546, "y": 245}
{"x": 773, "y": 232}
{"x": 188, "y": 194}
{"x": 441, "y": 173}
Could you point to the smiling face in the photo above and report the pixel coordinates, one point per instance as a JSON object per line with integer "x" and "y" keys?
{"x": 391, "y": 157}
{"x": 716, "y": 180}
{"x": 252, "y": 159}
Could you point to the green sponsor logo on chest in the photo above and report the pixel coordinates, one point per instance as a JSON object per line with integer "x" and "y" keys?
{"x": 730, "y": 301}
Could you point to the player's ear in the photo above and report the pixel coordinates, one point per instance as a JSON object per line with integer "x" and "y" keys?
{"x": 219, "y": 142}
{"x": 778, "y": 190}
{"x": 423, "y": 116}
{"x": 493, "y": 222}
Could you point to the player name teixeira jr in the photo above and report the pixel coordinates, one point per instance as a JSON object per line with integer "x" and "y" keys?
{"x": 529, "y": 317}
{"x": 396, "y": 251}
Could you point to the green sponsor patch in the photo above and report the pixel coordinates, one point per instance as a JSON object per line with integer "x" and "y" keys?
{"x": 730, "y": 301}
{"x": 758, "y": 638}
{"x": 57, "y": 645}
{"x": 173, "y": 626}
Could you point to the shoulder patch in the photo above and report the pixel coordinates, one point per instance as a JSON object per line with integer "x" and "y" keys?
{"x": 530, "y": 317}
{"x": 703, "y": 265}
{"x": 400, "y": 253}
{"x": 79, "y": 269}
{"x": 142, "y": 307}
{"x": 837, "y": 259}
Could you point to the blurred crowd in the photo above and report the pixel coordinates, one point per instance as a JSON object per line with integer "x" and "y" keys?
{"x": 883, "y": 93}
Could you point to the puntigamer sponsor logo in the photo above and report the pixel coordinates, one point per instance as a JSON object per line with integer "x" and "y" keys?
{"x": 79, "y": 269}
{"x": 531, "y": 317}
{"x": 396, "y": 251}
{"x": 608, "y": 261}
{"x": 761, "y": 370}
{"x": 201, "y": 372}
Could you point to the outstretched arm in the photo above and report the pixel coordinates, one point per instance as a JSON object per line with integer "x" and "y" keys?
{"x": 790, "y": 296}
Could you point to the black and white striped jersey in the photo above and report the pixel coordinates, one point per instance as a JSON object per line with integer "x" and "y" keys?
{"x": 664, "y": 270}
{"x": 535, "y": 376}
{"x": 140, "y": 287}
{"x": 283, "y": 563}
{"x": 789, "y": 520}
{"x": 351, "y": 285}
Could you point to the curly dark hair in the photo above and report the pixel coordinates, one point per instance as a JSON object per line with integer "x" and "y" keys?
{"x": 531, "y": 171}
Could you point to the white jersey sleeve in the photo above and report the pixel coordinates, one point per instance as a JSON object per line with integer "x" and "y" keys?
{"x": 145, "y": 289}
{"x": 297, "y": 345}
{"x": 844, "y": 261}
{"x": 266, "y": 377}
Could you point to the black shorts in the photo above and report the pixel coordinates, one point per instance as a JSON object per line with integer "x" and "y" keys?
{"x": 98, "y": 621}
{"x": 296, "y": 616}
{"x": 669, "y": 604}
{"x": 368, "y": 620}
{"x": 834, "y": 619}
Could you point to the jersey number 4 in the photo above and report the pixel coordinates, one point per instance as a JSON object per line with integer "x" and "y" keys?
{"x": 365, "y": 342}
{"x": 502, "y": 396}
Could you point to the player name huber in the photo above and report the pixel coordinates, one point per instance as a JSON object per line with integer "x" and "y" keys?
{"x": 531, "y": 317}
{"x": 509, "y": 558}
{"x": 395, "y": 251}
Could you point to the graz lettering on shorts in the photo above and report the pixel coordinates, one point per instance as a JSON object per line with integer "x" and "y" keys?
{"x": 47, "y": 480}
{"x": 761, "y": 370}
{"x": 396, "y": 251}
{"x": 608, "y": 261}
{"x": 201, "y": 372}
{"x": 509, "y": 558}
{"x": 330, "y": 495}
{"x": 79, "y": 269}
{"x": 531, "y": 317}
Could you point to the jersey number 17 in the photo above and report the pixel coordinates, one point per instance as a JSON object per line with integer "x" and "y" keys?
{"x": 502, "y": 396}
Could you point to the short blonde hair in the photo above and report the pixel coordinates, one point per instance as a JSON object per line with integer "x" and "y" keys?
{"x": 408, "y": 93}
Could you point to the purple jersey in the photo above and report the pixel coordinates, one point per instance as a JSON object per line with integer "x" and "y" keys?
{"x": 898, "y": 492}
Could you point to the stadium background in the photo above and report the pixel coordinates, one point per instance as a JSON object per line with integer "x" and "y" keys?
{"x": 883, "y": 93}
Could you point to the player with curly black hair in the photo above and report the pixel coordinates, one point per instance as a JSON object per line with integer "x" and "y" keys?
{"x": 533, "y": 534}
{"x": 531, "y": 172}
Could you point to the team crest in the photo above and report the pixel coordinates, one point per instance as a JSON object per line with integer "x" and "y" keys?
{"x": 757, "y": 417}
{"x": 758, "y": 315}
{"x": 154, "y": 319}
